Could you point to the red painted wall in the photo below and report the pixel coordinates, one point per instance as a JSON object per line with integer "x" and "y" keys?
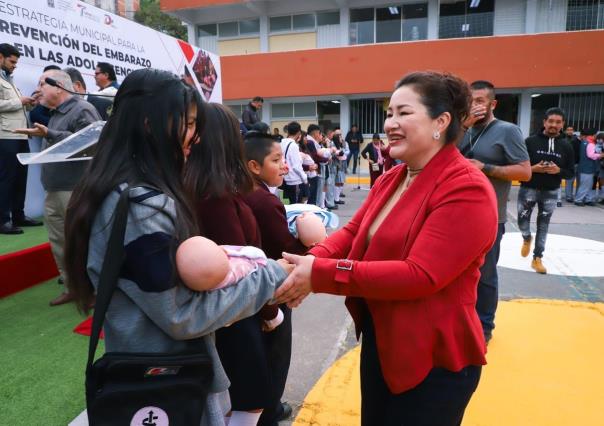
{"x": 539, "y": 60}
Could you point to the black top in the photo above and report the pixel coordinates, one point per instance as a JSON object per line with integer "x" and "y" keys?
{"x": 354, "y": 138}
{"x": 556, "y": 150}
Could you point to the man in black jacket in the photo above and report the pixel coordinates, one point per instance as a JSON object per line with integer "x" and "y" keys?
{"x": 354, "y": 137}
{"x": 250, "y": 116}
{"x": 552, "y": 160}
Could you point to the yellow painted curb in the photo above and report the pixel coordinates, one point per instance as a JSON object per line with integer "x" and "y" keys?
{"x": 544, "y": 369}
{"x": 358, "y": 180}
{"x": 336, "y": 397}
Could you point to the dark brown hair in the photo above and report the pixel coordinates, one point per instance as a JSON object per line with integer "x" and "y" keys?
{"x": 216, "y": 166}
{"x": 439, "y": 93}
{"x": 141, "y": 143}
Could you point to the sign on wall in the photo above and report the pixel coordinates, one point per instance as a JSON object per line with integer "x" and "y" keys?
{"x": 70, "y": 33}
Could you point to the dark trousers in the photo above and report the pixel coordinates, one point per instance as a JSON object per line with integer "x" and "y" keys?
{"x": 439, "y": 400}
{"x": 278, "y": 350}
{"x": 488, "y": 286}
{"x": 546, "y": 204}
{"x": 354, "y": 154}
{"x": 312, "y": 190}
{"x": 13, "y": 179}
{"x": 374, "y": 174}
{"x": 243, "y": 355}
{"x": 291, "y": 193}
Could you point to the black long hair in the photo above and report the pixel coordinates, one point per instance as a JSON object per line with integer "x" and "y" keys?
{"x": 216, "y": 165}
{"x": 140, "y": 143}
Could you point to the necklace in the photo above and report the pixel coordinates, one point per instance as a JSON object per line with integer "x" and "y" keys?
{"x": 477, "y": 138}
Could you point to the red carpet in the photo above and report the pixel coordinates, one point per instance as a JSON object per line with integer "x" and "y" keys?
{"x": 26, "y": 268}
{"x": 85, "y": 328}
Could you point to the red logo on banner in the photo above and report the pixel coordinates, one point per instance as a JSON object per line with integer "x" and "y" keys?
{"x": 186, "y": 49}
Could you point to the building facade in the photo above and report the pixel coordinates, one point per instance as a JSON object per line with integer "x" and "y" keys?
{"x": 125, "y": 8}
{"x": 335, "y": 62}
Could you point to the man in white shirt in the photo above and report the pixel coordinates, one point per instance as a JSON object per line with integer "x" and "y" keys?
{"x": 291, "y": 153}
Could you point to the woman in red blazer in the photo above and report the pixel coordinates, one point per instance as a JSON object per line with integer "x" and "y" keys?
{"x": 408, "y": 263}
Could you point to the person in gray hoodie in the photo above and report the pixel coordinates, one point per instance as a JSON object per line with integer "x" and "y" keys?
{"x": 141, "y": 150}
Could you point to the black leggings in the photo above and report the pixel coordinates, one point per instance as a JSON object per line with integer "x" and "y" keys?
{"x": 440, "y": 400}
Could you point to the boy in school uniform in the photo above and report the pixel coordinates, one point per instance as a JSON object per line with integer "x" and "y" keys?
{"x": 265, "y": 162}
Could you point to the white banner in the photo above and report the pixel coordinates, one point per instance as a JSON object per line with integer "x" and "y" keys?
{"x": 70, "y": 33}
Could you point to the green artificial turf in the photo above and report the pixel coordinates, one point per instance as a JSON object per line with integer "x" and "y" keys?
{"x": 42, "y": 361}
{"x": 32, "y": 236}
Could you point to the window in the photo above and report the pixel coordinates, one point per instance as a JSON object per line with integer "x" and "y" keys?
{"x": 282, "y": 110}
{"x": 369, "y": 114}
{"x": 294, "y": 110}
{"x": 328, "y": 18}
{"x": 244, "y": 28}
{"x": 206, "y": 30}
{"x": 415, "y": 22}
{"x": 280, "y": 23}
{"x": 389, "y": 24}
{"x": 228, "y": 29}
{"x": 585, "y": 15}
{"x": 250, "y": 26}
{"x": 237, "y": 109}
{"x": 305, "y": 21}
{"x": 467, "y": 18}
{"x": 362, "y": 26}
{"x": 305, "y": 109}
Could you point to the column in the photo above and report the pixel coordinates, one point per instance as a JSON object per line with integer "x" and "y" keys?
{"x": 530, "y": 26}
{"x": 264, "y": 34}
{"x": 192, "y": 35}
{"x": 524, "y": 113}
{"x": 266, "y": 112}
{"x": 345, "y": 114}
{"x": 433, "y": 15}
{"x": 344, "y": 26}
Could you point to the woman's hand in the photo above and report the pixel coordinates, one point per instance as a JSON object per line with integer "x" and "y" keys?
{"x": 288, "y": 267}
{"x": 297, "y": 286}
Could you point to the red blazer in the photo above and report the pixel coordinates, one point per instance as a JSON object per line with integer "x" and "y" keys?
{"x": 272, "y": 221}
{"x": 418, "y": 275}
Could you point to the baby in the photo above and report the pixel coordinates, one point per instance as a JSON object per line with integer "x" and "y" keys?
{"x": 310, "y": 229}
{"x": 308, "y": 223}
{"x": 205, "y": 266}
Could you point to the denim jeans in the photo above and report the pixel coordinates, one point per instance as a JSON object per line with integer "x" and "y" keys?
{"x": 585, "y": 191}
{"x": 568, "y": 190}
{"x": 488, "y": 286}
{"x": 546, "y": 204}
{"x": 354, "y": 154}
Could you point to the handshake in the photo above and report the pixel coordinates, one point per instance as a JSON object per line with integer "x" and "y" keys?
{"x": 298, "y": 284}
